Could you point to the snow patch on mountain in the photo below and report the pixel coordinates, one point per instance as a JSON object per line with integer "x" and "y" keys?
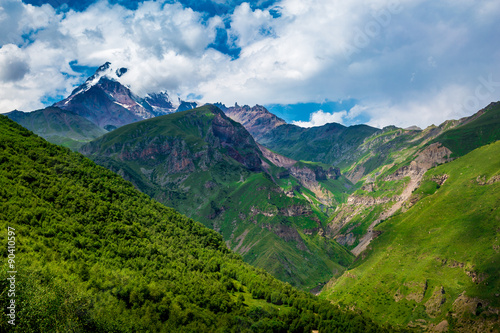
{"x": 126, "y": 106}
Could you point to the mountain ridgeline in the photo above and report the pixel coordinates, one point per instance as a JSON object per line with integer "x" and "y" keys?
{"x": 435, "y": 265}
{"x": 96, "y": 255}
{"x": 332, "y": 143}
{"x": 257, "y": 120}
{"x": 268, "y": 208}
{"x": 58, "y": 126}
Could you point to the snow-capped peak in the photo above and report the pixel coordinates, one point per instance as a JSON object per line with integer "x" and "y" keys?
{"x": 106, "y": 71}
{"x": 108, "y": 82}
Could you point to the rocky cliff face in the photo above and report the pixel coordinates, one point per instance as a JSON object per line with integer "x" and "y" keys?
{"x": 217, "y": 138}
{"x": 235, "y": 139}
{"x": 308, "y": 175}
{"x": 407, "y": 177}
{"x": 277, "y": 159}
{"x": 431, "y": 156}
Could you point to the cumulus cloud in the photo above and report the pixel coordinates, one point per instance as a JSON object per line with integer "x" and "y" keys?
{"x": 13, "y": 64}
{"x": 320, "y": 118}
{"x": 452, "y": 102}
{"x": 248, "y": 27}
{"x": 404, "y": 66}
{"x": 163, "y": 45}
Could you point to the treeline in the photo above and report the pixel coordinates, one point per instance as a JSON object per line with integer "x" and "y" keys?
{"x": 95, "y": 255}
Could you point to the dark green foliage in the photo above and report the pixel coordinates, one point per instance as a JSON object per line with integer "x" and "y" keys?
{"x": 95, "y": 255}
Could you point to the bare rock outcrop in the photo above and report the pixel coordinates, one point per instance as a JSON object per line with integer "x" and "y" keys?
{"x": 308, "y": 176}
{"x": 277, "y": 159}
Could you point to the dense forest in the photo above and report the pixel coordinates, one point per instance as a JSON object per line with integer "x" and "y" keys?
{"x": 95, "y": 255}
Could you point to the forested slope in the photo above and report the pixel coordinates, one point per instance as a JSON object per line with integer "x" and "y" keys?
{"x": 95, "y": 255}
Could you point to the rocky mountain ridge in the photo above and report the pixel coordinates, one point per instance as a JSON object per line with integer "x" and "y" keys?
{"x": 432, "y": 266}
{"x": 257, "y": 119}
{"x": 393, "y": 166}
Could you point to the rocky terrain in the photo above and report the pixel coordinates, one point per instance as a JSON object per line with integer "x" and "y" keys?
{"x": 433, "y": 264}
{"x": 257, "y": 120}
{"x": 309, "y": 204}
{"x": 109, "y": 104}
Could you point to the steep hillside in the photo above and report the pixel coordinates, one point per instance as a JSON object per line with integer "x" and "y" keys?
{"x": 92, "y": 254}
{"x": 481, "y": 129}
{"x": 360, "y": 150}
{"x": 332, "y": 144}
{"x": 58, "y": 126}
{"x": 435, "y": 266}
{"x": 210, "y": 168}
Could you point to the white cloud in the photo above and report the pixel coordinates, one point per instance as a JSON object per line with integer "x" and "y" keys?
{"x": 248, "y": 27}
{"x": 403, "y": 65}
{"x": 320, "y": 118}
{"x": 449, "y": 103}
{"x": 13, "y": 64}
{"x": 163, "y": 45}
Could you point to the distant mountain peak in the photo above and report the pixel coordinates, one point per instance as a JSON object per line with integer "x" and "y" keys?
{"x": 107, "y": 102}
{"x": 413, "y": 128}
{"x": 257, "y": 119}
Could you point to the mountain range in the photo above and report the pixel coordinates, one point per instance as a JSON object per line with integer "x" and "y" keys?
{"x": 399, "y": 224}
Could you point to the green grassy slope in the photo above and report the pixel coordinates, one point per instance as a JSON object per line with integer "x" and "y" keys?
{"x": 476, "y": 133}
{"x": 439, "y": 260}
{"x": 208, "y": 171}
{"x": 95, "y": 255}
{"x": 384, "y": 170}
{"x": 58, "y": 126}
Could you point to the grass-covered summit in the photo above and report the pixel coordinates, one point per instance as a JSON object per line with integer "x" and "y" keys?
{"x": 58, "y": 126}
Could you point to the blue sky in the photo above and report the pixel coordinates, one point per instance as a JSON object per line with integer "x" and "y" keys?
{"x": 379, "y": 62}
